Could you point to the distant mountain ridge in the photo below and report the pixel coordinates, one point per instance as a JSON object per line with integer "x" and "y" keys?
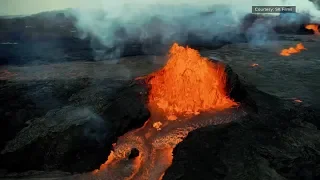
{"x": 45, "y": 25}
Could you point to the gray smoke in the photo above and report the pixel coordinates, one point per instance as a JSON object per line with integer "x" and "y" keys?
{"x": 121, "y": 21}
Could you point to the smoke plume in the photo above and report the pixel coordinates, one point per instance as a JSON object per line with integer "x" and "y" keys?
{"x": 165, "y": 21}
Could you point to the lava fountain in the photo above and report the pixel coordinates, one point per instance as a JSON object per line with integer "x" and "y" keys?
{"x": 189, "y": 92}
{"x": 293, "y": 50}
{"x": 188, "y": 84}
{"x": 314, "y": 28}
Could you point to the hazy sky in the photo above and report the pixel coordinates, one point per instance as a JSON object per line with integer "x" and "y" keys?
{"x": 21, "y": 7}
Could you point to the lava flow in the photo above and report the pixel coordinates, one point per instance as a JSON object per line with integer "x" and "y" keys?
{"x": 314, "y": 28}
{"x": 292, "y": 50}
{"x": 180, "y": 96}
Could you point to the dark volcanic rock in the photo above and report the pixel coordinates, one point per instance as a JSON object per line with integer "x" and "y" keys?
{"x": 64, "y": 139}
{"x": 134, "y": 153}
{"x": 23, "y": 101}
{"x": 128, "y": 109}
{"x": 278, "y": 143}
{"x": 286, "y": 23}
{"x": 236, "y": 89}
{"x": 78, "y": 137}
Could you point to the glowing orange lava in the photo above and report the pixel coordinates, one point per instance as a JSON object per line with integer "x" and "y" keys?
{"x": 188, "y": 84}
{"x": 296, "y": 100}
{"x": 314, "y": 28}
{"x": 254, "y": 65}
{"x": 167, "y": 157}
{"x": 157, "y": 125}
{"x": 292, "y": 50}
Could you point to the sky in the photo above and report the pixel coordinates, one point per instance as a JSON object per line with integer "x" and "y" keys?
{"x": 26, "y": 7}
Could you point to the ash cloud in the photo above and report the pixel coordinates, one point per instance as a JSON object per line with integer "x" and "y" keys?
{"x": 162, "y": 22}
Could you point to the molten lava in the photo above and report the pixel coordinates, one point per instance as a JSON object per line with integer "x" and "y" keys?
{"x": 292, "y": 50}
{"x": 314, "y": 28}
{"x": 254, "y": 64}
{"x": 157, "y": 125}
{"x": 188, "y": 85}
{"x": 296, "y": 100}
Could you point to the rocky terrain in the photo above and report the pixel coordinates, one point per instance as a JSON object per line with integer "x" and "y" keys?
{"x": 281, "y": 141}
{"x": 58, "y": 116}
{"x": 70, "y": 104}
{"x": 61, "y": 119}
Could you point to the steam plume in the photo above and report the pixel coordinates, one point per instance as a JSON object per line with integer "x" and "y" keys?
{"x": 121, "y": 21}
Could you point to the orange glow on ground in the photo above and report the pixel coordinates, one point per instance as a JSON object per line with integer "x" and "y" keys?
{"x": 314, "y": 28}
{"x": 292, "y": 50}
{"x": 186, "y": 86}
{"x": 254, "y": 65}
{"x": 167, "y": 157}
{"x": 297, "y": 100}
{"x": 6, "y": 74}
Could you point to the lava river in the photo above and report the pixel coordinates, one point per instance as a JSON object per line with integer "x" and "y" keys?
{"x": 186, "y": 94}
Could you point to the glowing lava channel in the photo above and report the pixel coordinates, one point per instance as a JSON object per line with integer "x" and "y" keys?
{"x": 188, "y": 85}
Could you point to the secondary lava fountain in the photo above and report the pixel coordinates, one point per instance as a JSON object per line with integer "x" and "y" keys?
{"x": 189, "y": 92}
{"x": 314, "y": 28}
{"x": 293, "y": 50}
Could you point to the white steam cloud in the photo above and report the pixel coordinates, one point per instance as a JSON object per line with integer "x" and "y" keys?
{"x": 123, "y": 20}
